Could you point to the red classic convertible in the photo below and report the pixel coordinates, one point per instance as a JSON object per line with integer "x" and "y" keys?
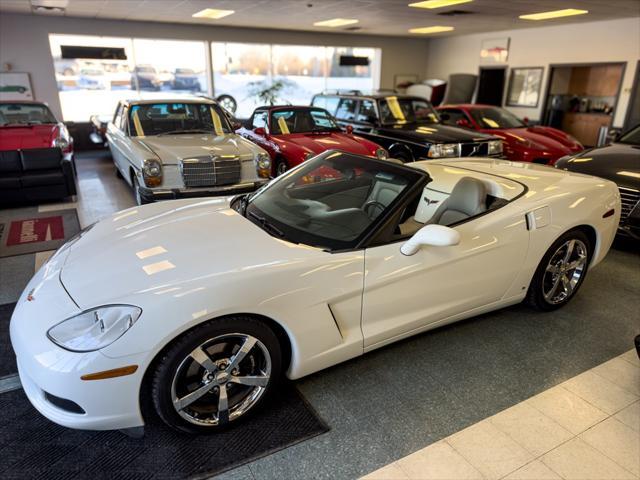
{"x": 521, "y": 142}
{"x": 36, "y": 154}
{"x": 291, "y": 135}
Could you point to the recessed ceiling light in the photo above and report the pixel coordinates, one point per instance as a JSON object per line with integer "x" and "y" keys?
{"x": 336, "y": 22}
{"x": 436, "y": 29}
{"x": 213, "y": 13}
{"x": 437, "y": 3}
{"x": 567, "y": 12}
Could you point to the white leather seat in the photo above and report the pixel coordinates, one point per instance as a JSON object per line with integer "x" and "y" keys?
{"x": 468, "y": 198}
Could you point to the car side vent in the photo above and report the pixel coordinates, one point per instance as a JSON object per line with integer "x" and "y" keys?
{"x": 454, "y": 13}
{"x": 352, "y": 29}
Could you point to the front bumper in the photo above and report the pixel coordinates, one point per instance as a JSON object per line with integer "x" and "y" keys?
{"x": 50, "y": 374}
{"x": 149, "y": 195}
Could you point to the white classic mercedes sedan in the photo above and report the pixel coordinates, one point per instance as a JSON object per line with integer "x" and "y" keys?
{"x": 198, "y": 307}
{"x": 169, "y": 149}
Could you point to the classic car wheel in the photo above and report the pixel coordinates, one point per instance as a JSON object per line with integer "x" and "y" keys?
{"x": 281, "y": 167}
{"x": 561, "y": 271}
{"x": 216, "y": 374}
{"x": 228, "y": 103}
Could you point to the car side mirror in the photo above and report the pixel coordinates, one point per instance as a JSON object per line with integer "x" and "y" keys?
{"x": 430, "y": 235}
{"x": 236, "y": 126}
{"x": 464, "y": 123}
{"x": 260, "y": 131}
{"x": 525, "y": 120}
{"x": 349, "y": 129}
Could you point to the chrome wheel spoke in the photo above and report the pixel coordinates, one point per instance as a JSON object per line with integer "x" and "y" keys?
{"x": 566, "y": 285}
{"x": 200, "y": 356}
{"x": 223, "y": 405}
{"x": 248, "y": 344}
{"x": 570, "y": 246}
{"x": 255, "y": 381}
{"x": 552, "y": 292}
{"x": 553, "y": 269}
{"x": 182, "y": 403}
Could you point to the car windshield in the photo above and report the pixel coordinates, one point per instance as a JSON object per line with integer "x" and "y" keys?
{"x": 331, "y": 201}
{"x": 632, "y": 137}
{"x": 394, "y": 110}
{"x": 177, "y": 118}
{"x": 25, "y": 114}
{"x": 302, "y": 120}
{"x": 495, "y": 118}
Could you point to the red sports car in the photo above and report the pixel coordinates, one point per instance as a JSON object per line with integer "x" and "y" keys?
{"x": 521, "y": 142}
{"x": 291, "y": 135}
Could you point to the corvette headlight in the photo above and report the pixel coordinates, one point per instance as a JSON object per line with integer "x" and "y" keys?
{"x": 381, "y": 153}
{"x": 444, "y": 150}
{"x": 263, "y": 164}
{"x": 495, "y": 147}
{"x": 94, "y": 329}
{"x": 152, "y": 172}
{"x": 60, "y": 142}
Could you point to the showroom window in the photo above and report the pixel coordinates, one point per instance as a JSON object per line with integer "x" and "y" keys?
{"x": 89, "y": 84}
{"x": 259, "y": 74}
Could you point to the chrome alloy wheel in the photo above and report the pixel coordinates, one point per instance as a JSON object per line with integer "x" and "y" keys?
{"x": 221, "y": 379}
{"x": 564, "y": 271}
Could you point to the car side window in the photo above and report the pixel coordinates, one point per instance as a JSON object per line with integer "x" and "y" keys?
{"x": 367, "y": 113}
{"x": 451, "y": 116}
{"x": 259, "y": 120}
{"x": 347, "y": 109}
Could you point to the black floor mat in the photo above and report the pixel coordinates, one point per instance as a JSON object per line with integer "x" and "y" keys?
{"x": 7, "y": 357}
{"x": 33, "y": 447}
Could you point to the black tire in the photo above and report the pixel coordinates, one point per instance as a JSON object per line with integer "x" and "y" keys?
{"x": 281, "y": 167}
{"x": 536, "y": 292}
{"x": 404, "y": 157}
{"x": 168, "y": 368}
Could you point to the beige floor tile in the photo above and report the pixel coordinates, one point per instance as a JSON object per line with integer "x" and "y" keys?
{"x": 567, "y": 409}
{"x": 631, "y": 356}
{"x": 624, "y": 374}
{"x": 535, "y": 470}
{"x": 438, "y": 461}
{"x": 600, "y": 392}
{"x": 492, "y": 452}
{"x": 388, "y": 472}
{"x": 576, "y": 460}
{"x": 533, "y": 430}
{"x": 617, "y": 441}
{"x": 42, "y": 257}
{"x": 630, "y": 416}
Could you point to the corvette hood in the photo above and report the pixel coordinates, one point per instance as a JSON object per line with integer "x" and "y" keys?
{"x": 319, "y": 142}
{"x": 27, "y": 136}
{"x": 173, "y": 148}
{"x": 169, "y": 245}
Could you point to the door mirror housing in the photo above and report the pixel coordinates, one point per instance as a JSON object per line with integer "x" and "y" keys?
{"x": 348, "y": 129}
{"x": 430, "y": 235}
{"x": 525, "y": 120}
{"x": 464, "y": 123}
{"x": 260, "y": 131}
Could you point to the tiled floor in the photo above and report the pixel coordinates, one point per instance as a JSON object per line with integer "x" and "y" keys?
{"x": 585, "y": 428}
{"x": 413, "y": 394}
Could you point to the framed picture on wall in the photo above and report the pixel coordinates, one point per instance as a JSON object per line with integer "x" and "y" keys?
{"x": 15, "y": 86}
{"x": 524, "y": 87}
{"x": 494, "y": 51}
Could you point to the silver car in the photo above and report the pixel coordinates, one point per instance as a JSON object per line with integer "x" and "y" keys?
{"x": 183, "y": 148}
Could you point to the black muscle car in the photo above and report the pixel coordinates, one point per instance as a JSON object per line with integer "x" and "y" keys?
{"x": 406, "y": 126}
{"x": 620, "y": 163}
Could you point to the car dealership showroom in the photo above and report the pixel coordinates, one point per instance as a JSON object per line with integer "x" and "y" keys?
{"x": 320, "y": 239}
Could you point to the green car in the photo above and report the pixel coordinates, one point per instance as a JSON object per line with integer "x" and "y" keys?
{"x": 13, "y": 88}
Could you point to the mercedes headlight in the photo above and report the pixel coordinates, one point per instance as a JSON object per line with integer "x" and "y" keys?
{"x": 263, "y": 164}
{"x": 495, "y": 147}
{"x": 61, "y": 143}
{"x": 94, "y": 329}
{"x": 444, "y": 150}
{"x": 381, "y": 154}
{"x": 152, "y": 172}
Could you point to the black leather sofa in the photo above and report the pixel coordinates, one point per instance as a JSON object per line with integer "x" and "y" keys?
{"x": 35, "y": 175}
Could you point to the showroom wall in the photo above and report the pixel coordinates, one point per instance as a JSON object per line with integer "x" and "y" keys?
{"x": 24, "y": 43}
{"x": 605, "y": 41}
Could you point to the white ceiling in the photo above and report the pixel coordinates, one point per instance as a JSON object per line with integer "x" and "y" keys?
{"x": 378, "y": 17}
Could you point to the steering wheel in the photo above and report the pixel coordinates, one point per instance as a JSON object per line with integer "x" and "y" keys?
{"x": 373, "y": 204}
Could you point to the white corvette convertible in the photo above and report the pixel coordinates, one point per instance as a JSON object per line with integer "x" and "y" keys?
{"x": 197, "y": 307}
